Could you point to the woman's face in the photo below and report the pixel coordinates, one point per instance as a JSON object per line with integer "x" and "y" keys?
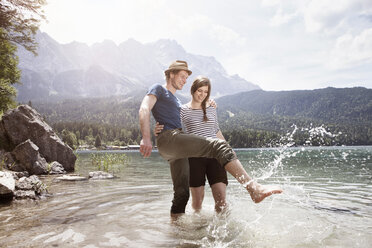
{"x": 200, "y": 94}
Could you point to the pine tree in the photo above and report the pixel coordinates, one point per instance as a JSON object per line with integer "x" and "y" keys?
{"x": 98, "y": 141}
{"x": 9, "y": 74}
{"x": 19, "y": 19}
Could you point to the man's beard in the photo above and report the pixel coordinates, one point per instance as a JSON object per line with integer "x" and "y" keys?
{"x": 176, "y": 86}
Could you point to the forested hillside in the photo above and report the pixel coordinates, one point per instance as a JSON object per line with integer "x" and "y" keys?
{"x": 346, "y": 105}
{"x": 346, "y": 113}
{"x": 248, "y": 119}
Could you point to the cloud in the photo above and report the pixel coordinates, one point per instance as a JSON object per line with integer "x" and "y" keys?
{"x": 271, "y": 3}
{"x": 281, "y": 18}
{"x": 322, "y": 15}
{"x": 319, "y": 16}
{"x": 330, "y": 16}
{"x": 204, "y": 28}
{"x": 226, "y": 36}
{"x": 344, "y": 27}
{"x": 351, "y": 51}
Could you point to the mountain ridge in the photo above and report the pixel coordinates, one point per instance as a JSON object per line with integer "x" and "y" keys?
{"x": 332, "y": 104}
{"x": 59, "y": 69}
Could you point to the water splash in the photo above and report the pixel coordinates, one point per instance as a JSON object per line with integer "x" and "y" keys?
{"x": 318, "y": 134}
{"x": 283, "y": 147}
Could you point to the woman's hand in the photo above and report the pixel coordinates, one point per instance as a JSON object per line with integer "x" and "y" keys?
{"x": 158, "y": 128}
{"x": 212, "y": 103}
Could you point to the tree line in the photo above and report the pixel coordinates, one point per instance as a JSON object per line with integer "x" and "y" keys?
{"x": 19, "y": 21}
{"x": 95, "y": 134}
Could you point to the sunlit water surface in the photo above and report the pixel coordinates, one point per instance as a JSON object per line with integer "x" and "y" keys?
{"x": 327, "y": 202}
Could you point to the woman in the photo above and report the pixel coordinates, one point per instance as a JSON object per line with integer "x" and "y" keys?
{"x": 199, "y": 118}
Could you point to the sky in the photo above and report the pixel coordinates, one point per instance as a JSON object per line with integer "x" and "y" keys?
{"x": 276, "y": 44}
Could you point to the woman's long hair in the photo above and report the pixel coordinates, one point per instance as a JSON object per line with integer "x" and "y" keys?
{"x": 201, "y": 81}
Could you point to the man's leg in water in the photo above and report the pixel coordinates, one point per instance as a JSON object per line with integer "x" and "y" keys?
{"x": 180, "y": 176}
{"x": 174, "y": 144}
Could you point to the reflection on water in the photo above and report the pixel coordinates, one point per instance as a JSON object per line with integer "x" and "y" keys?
{"x": 327, "y": 203}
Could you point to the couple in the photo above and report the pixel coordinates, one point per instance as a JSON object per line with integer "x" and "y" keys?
{"x": 177, "y": 146}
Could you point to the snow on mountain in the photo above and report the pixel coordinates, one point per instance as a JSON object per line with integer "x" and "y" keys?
{"x": 104, "y": 69}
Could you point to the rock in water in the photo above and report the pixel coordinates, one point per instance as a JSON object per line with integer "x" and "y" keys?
{"x": 71, "y": 178}
{"x": 56, "y": 168}
{"x": 100, "y": 175}
{"x": 24, "y": 123}
{"x": 25, "y": 194}
{"x": 32, "y": 184}
{"x": 7, "y": 183}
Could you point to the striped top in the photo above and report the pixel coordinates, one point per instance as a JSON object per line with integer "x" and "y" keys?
{"x": 192, "y": 121}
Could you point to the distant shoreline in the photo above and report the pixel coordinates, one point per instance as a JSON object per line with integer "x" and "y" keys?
{"x": 112, "y": 148}
{"x": 119, "y": 148}
{"x": 236, "y": 149}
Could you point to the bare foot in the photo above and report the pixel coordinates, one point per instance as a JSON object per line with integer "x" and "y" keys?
{"x": 259, "y": 192}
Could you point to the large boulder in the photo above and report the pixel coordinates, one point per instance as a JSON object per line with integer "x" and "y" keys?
{"x": 27, "y": 153}
{"x": 4, "y": 140}
{"x": 7, "y": 185}
{"x": 11, "y": 162}
{"x": 25, "y": 123}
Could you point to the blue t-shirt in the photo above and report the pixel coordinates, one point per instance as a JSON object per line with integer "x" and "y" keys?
{"x": 167, "y": 108}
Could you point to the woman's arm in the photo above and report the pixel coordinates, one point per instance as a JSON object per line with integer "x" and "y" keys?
{"x": 158, "y": 128}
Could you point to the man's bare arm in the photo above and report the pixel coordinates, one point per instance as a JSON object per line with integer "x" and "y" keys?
{"x": 219, "y": 135}
{"x": 147, "y": 104}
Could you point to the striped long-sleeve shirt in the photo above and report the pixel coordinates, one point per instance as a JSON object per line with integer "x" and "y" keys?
{"x": 192, "y": 121}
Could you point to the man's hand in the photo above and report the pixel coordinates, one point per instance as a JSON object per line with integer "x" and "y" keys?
{"x": 145, "y": 147}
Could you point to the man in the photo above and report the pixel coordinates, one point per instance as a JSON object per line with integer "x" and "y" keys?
{"x": 176, "y": 146}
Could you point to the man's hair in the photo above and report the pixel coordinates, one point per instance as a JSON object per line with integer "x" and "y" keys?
{"x": 167, "y": 74}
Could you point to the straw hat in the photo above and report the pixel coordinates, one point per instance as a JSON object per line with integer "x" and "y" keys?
{"x": 178, "y": 65}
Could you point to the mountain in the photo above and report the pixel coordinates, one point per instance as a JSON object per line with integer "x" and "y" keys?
{"x": 104, "y": 69}
{"x": 222, "y": 83}
{"x": 345, "y": 105}
{"x": 330, "y": 116}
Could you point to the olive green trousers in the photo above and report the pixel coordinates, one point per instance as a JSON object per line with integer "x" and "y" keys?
{"x": 176, "y": 146}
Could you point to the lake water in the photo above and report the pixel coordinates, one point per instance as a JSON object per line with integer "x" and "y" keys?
{"x": 327, "y": 202}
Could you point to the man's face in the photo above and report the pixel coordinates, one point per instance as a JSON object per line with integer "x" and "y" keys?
{"x": 178, "y": 80}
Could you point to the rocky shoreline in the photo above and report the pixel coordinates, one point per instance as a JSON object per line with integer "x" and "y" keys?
{"x": 29, "y": 147}
{"x": 19, "y": 186}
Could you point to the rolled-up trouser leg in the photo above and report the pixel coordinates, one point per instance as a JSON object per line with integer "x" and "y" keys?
{"x": 175, "y": 144}
{"x": 180, "y": 177}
